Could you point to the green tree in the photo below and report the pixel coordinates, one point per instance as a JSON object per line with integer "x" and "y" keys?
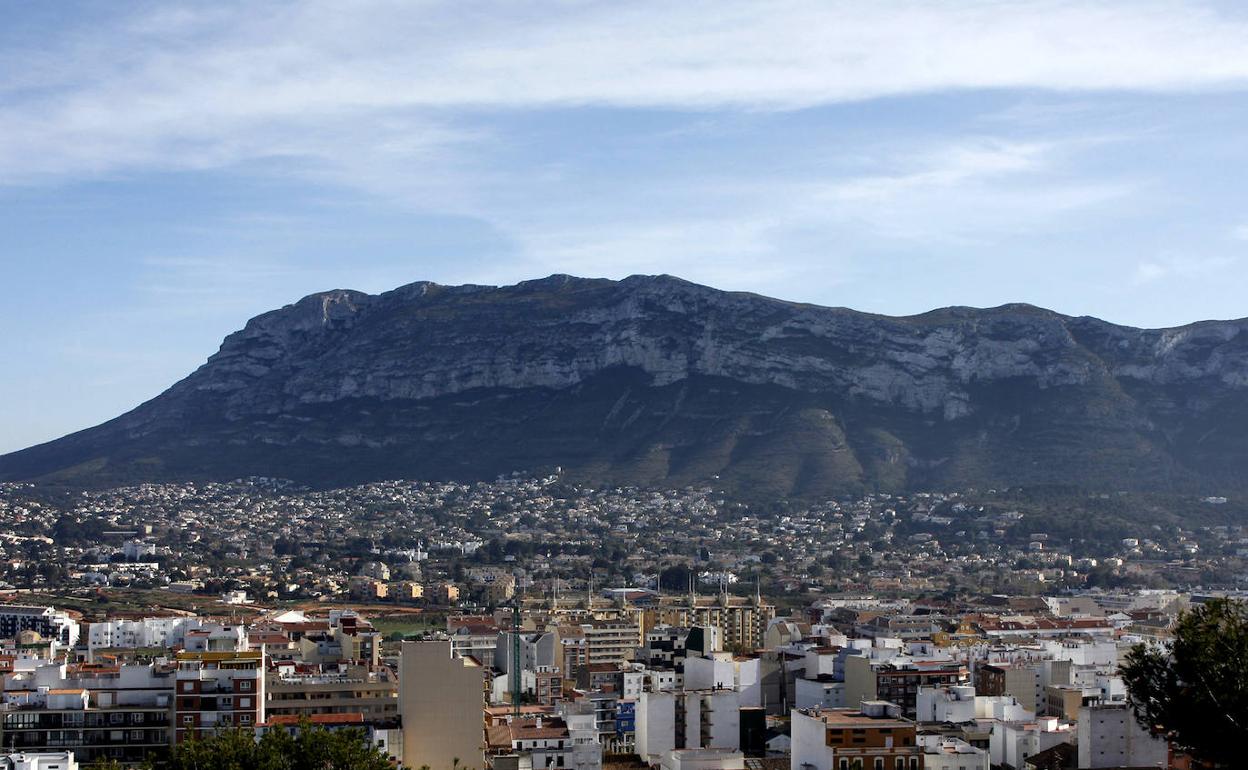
{"x": 1195, "y": 691}
{"x": 312, "y": 748}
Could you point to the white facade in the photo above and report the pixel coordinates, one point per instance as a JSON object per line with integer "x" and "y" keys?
{"x": 48, "y": 622}
{"x": 1013, "y": 742}
{"x": 43, "y": 760}
{"x": 133, "y": 634}
{"x": 655, "y": 724}
{"x": 812, "y": 693}
{"x": 960, "y": 704}
{"x": 1109, "y": 736}
{"x": 809, "y": 746}
{"x": 944, "y": 753}
{"x": 703, "y": 759}
{"x": 711, "y": 719}
{"x": 586, "y": 751}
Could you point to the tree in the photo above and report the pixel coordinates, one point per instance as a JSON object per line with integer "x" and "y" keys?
{"x": 1195, "y": 691}
{"x": 675, "y": 578}
{"x": 311, "y": 748}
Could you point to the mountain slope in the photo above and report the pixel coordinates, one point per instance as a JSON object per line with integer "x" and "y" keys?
{"x": 656, "y": 381}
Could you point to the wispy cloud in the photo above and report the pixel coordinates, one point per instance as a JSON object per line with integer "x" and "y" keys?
{"x": 350, "y": 85}
{"x": 1172, "y": 266}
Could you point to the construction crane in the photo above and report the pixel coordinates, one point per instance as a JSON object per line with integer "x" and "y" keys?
{"x": 515, "y": 659}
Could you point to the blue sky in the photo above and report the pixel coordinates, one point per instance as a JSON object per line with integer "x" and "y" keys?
{"x": 168, "y": 171}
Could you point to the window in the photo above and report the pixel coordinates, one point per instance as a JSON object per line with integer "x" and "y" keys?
{"x": 188, "y": 720}
{"x": 244, "y": 684}
{"x": 244, "y": 719}
{"x": 188, "y": 686}
{"x": 879, "y": 763}
{"x": 244, "y": 703}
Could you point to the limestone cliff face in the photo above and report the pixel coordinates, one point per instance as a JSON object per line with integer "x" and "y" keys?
{"x": 898, "y": 397}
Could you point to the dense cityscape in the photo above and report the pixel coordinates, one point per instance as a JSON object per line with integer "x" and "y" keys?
{"x": 648, "y": 385}
{"x": 663, "y": 627}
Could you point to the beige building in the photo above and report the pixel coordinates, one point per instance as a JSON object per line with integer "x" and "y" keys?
{"x": 446, "y": 593}
{"x": 441, "y": 701}
{"x": 408, "y": 590}
{"x": 367, "y": 588}
{"x": 611, "y": 641}
{"x": 355, "y": 690}
{"x": 742, "y": 622}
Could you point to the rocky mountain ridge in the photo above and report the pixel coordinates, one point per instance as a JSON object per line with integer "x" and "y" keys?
{"x": 656, "y": 381}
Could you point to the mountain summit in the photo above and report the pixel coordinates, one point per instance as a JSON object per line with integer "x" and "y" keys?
{"x": 655, "y": 381}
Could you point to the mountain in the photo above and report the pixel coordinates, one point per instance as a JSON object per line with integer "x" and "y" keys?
{"x": 656, "y": 381}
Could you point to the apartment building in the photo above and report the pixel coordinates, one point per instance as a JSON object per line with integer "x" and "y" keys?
{"x": 741, "y": 622}
{"x": 611, "y": 641}
{"x": 539, "y": 741}
{"x": 538, "y": 651}
{"x": 897, "y": 681}
{"x": 1110, "y": 736}
{"x": 308, "y": 691}
{"x": 218, "y": 690}
{"x": 1021, "y": 680}
{"x": 101, "y": 713}
{"x": 48, "y": 622}
{"x": 875, "y": 737}
{"x": 140, "y": 633}
{"x": 698, "y": 719}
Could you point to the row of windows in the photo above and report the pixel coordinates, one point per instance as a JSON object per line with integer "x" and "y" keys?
{"x": 898, "y": 764}
{"x": 243, "y": 719}
{"x": 241, "y": 684}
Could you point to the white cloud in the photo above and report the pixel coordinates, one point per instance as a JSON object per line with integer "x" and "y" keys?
{"x": 772, "y": 235}
{"x": 1175, "y": 267}
{"x": 348, "y": 85}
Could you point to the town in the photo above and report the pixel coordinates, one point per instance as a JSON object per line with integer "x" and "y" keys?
{"x": 533, "y": 623}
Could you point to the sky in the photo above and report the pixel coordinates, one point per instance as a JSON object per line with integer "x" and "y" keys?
{"x": 168, "y": 171}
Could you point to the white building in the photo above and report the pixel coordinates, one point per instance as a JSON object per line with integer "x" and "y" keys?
{"x": 43, "y": 760}
{"x": 48, "y": 622}
{"x": 703, "y": 759}
{"x": 818, "y": 693}
{"x": 941, "y": 752}
{"x": 137, "y": 550}
{"x": 1013, "y": 742}
{"x": 134, "y": 634}
{"x": 702, "y": 719}
{"x": 1109, "y": 736}
{"x": 720, "y": 670}
{"x": 959, "y": 704}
